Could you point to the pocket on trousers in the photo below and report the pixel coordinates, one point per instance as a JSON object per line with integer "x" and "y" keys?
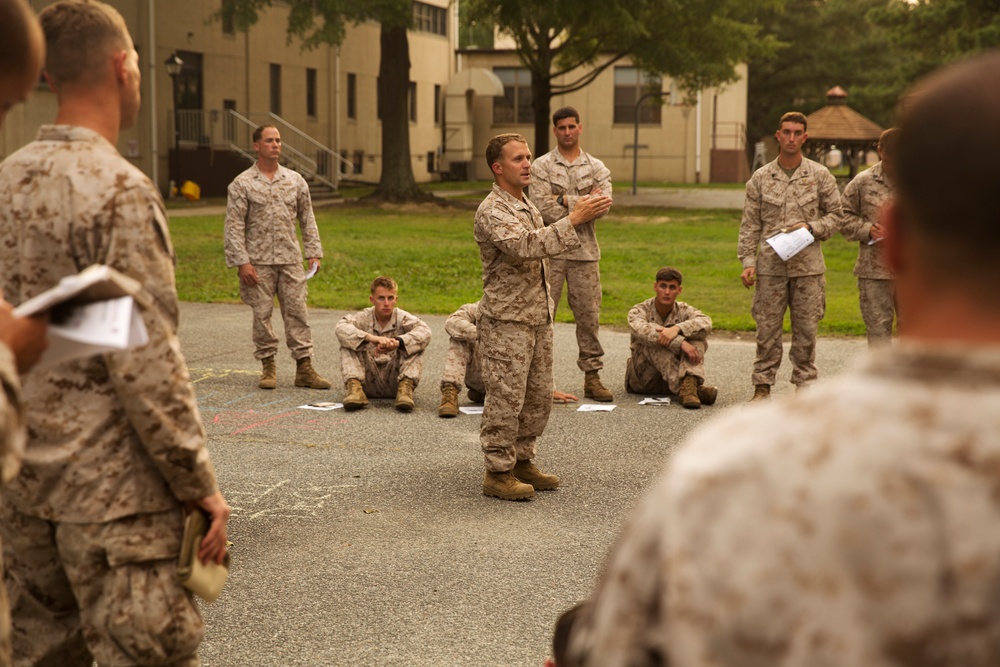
{"x": 151, "y": 617}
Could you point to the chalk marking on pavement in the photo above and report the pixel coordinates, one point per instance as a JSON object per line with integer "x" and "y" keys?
{"x": 285, "y": 500}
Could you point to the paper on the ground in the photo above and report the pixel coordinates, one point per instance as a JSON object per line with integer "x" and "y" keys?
{"x": 105, "y": 326}
{"x": 789, "y": 244}
{"x": 655, "y": 401}
{"x": 312, "y": 271}
{"x": 321, "y": 405}
{"x": 95, "y": 283}
{"x": 471, "y": 409}
{"x": 591, "y": 407}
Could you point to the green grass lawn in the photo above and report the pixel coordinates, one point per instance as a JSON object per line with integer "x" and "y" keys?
{"x": 430, "y": 252}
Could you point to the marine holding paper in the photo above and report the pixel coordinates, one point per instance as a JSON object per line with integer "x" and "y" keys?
{"x": 790, "y": 193}
{"x": 92, "y": 526}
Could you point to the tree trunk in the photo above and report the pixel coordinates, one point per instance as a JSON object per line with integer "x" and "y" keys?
{"x": 541, "y": 105}
{"x": 396, "y": 183}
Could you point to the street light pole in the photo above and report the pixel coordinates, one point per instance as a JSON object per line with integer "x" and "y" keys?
{"x": 174, "y": 65}
{"x": 635, "y": 144}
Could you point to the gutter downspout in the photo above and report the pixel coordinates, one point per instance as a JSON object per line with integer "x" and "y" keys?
{"x": 151, "y": 58}
{"x": 697, "y": 141}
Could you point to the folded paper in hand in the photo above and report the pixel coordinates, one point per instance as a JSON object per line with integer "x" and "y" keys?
{"x": 787, "y": 245}
{"x": 92, "y": 312}
{"x": 204, "y": 580}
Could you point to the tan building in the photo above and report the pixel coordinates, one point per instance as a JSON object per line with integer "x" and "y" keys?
{"x": 325, "y": 103}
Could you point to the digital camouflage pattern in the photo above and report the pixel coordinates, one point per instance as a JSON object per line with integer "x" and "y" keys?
{"x": 864, "y": 198}
{"x": 109, "y": 591}
{"x": 805, "y": 299}
{"x": 12, "y": 437}
{"x": 287, "y": 282}
{"x": 380, "y": 372}
{"x": 462, "y": 363}
{"x": 653, "y": 368}
{"x": 515, "y": 324}
{"x": 261, "y": 215}
{"x": 552, "y": 174}
{"x": 112, "y": 436}
{"x": 514, "y": 247}
{"x": 775, "y": 202}
{"x": 844, "y": 526}
{"x": 260, "y": 230}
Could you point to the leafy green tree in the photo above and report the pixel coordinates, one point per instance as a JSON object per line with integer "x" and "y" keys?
{"x": 823, "y": 43}
{"x": 316, "y": 22}
{"x": 566, "y": 44}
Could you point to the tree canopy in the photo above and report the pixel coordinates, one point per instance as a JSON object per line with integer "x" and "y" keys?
{"x": 566, "y": 44}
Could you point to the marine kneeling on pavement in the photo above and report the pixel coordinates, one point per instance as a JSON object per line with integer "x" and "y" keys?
{"x": 382, "y": 350}
{"x": 669, "y": 340}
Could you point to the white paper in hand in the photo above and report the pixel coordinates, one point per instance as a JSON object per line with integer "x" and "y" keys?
{"x": 104, "y": 326}
{"x": 790, "y": 244}
{"x": 312, "y": 271}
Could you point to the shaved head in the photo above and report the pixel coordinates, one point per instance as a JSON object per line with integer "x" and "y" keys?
{"x": 22, "y": 50}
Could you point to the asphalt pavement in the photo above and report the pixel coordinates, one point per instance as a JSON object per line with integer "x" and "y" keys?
{"x": 364, "y": 538}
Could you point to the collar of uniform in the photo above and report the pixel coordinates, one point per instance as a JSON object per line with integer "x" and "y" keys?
{"x": 506, "y": 196}
{"x": 801, "y": 171}
{"x": 278, "y": 174}
{"x": 70, "y": 133}
{"x": 951, "y": 363}
{"x": 877, "y": 173}
{"x": 656, "y": 313}
{"x": 582, "y": 158}
{"x": 390, "y": 325}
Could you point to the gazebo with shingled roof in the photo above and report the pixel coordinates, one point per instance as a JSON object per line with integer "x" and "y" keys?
{"x": 839, "y": 126}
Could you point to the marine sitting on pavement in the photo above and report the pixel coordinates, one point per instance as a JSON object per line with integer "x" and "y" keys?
{"x": 382, "y": 350}
{"x": 462, "y": 364}
{"x": 669, "y": 340}
{"x": 264, "y": 203}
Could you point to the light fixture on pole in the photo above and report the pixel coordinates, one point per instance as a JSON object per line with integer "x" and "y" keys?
{"x": 174, "y": 65}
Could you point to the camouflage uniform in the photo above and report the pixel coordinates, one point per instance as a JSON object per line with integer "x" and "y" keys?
{"x": 462, "y": 364}
{"x": 515, "y": 324}
{"x": 849, "y": 525}
{"x": 552, "y": 174}
{"x": 12, "y": 436}
{"x": 653, "y": 368}
{"x": 775, "y": 201}
{"x": 260, "y": 230}
{"x": 92, "y": 525}
{"x": 864, "y": 198}
{"x": 380, "y": 372}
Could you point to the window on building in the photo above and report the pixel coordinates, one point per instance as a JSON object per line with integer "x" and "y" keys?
{"x": 359, "y": 161}
{"x": 412, "y": 95}
{"x": 430, "y": 161}
{"x": 631, "y": 83}
{"x": 352, "y": 96}
{"x": 428, "y": 18}
{"x": 310, "y": 92}
{"x": 228, "y": 122}
{"x": 275, "y": 89}
{"x": 228, "y": 24}
{"x": 515, "y": 105}
{"x": 437, "y": 104}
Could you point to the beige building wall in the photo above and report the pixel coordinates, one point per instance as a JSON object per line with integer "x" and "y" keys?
{"x": 668, "y": 152}
{"x": 237, "y": 67}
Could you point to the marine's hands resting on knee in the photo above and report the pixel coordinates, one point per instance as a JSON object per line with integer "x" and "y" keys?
{"x": 382, "y": 343}
{"x": 213, "y": 545}
{"x": 667, "y": 335}
{"x": 693, "y": 355}
{"x": 589, "y": 207}
{"x": 25, "y": 336}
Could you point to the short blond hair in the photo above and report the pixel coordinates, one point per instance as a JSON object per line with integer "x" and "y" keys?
{"x": 386, "y": 282}
{"x": 494, "y": 149}
{"x": 79, "y": 36}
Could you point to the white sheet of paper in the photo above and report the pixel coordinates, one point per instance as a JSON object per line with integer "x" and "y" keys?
{"x": 790, "y": 244}
{"x": 655, "y": 401}
{"x": 471, "y": 409}
{"x": 874, "y": 241}
{"x": 104, "y": 326}
{"x": 592, "y": 407}
{"x": 324, "y": 405}
{"x": 312, "y": 271}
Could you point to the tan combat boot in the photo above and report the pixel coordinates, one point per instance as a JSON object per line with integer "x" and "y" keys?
{"x": 449, "y": 401}
{"x": 504, "y": 485}
{"x": 305, "y": 376}
{"x": 476, "y": 396}
{"x": 761, "y": 392}
{"x": 404, "y": 395}
{"x": 592, "y": 388}
{"x": 525, "y": 471}
{"x": 707, "y": 394}
{"x": 689, "y": 393}
{"x": 355, "y": 399}
{"x": 269, "y": 374}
